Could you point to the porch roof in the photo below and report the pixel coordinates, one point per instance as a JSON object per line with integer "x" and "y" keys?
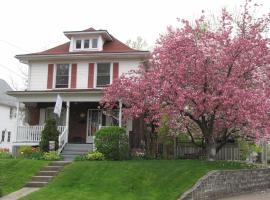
{"x": 72, "y": 95}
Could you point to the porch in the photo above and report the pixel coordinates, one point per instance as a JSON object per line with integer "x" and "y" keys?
{"x": 81, "y": 117}
{"x": 77, "y": 124}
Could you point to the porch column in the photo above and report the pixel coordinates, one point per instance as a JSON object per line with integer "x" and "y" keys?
{"x": 67, "y": 119}
{"x": 120, "y": 113}
{"x": 17, "y": 121}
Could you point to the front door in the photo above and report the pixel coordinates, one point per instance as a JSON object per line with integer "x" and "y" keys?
{"x": 94, "y": 120}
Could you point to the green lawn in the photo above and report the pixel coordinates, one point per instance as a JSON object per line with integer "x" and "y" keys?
{"x": 14, "y": 173}
{"x": 138, "y": 180}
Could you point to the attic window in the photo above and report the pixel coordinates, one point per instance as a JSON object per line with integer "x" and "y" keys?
{"x": 78, "y": 44}
{"x": 86, "y": 44}
{"x": 94, "y": 43}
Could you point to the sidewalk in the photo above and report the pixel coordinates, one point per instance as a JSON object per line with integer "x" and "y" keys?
{"x": 265, "y": 195}
{"x": 19, "y": 194}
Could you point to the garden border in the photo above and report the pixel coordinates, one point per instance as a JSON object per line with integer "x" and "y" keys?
{"x": 224, "y": 183}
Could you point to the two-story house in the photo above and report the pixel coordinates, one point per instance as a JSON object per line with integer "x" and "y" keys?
{"x": 78, "y": 71}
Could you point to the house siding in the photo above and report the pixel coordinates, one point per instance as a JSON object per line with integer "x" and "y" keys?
{"x": 38, "y": 76}
{"x": 39, "y": 72}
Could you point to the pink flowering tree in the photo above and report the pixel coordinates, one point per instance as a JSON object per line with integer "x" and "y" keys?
{"x": 215, "y": 79}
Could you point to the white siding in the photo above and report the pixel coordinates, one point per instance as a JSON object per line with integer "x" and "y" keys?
{"x": 38, "y": 76}
{"x": 39, "y": 72}
{"x": 6, "y": 124}
{"x": 126, "y": 66}
{"x": 82, "y": 75}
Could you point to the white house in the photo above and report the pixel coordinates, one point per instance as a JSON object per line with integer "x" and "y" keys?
{"x": 8, "y": 116}
{"x": 78, "y": 71}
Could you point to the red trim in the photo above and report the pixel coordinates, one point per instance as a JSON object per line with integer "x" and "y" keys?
{"x": 115, "y": 70}
{"x": 91, "y": 75}
{"x": 50, "y": 76}
{"x": 73, "y": 75}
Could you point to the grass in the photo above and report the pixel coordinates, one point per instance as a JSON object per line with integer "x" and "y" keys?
{"x": 128, "y": 180}
{"x": 14, "y": 173}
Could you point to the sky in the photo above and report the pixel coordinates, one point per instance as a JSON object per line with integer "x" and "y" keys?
{"x": 29, "y": 26}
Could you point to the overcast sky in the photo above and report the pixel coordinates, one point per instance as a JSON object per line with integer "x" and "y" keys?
{"x": 34, "y": 25}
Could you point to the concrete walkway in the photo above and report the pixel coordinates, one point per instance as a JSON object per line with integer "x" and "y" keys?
{"x": 19, "y": 193}
{"x": 265, "y": 195}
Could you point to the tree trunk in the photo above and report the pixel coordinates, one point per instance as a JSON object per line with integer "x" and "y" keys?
{"x": 210, "y": 150}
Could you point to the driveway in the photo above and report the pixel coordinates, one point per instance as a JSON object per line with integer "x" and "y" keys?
{"x": 253, "y": 196}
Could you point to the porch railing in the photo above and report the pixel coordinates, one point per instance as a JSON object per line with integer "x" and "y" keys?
{"x": 32, "y": 134}
{"x": 62, "y": 139}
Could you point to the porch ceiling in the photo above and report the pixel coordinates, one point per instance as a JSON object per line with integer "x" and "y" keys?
{"x": 50, "y": 95}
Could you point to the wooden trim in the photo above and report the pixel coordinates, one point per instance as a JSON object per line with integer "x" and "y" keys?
{"x": 91, "y": 75}
{"x": 73, "y": 75}
{"x": 115, "y": 70}
{"x": 50, "y": 76}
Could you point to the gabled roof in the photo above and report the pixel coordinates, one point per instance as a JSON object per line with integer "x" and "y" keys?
{"x": 4, "y": 98}
{"x": 114, "y": 46}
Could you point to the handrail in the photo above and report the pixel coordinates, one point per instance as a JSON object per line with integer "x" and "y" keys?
{"x": 62, "y": 140}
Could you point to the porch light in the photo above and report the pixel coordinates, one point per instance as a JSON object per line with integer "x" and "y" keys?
{"x": 82, "y": 115}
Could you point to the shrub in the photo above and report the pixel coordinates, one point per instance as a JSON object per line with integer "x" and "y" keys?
{"x": 95, "y": 156}
{"x": 80, "y": 158}
{"x": 4, "y": 153}
{"x": 51, "y": 156}
{"x": 50, "y": 133}
{"x": 29, "y": 152}
{"x": 113, "y": 143}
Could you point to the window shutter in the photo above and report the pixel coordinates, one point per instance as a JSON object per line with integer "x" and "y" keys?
{"x": 73, "y": 75}
{"x": 50, "y": 76}
{"x": 91, "y": 75}
{"x": 115, "y": 70}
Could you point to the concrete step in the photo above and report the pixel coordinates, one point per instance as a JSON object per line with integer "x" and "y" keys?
{"x": 41, "y": 178}
{"x": 47, "y": 173}
{"x": 69, "y": 157}
{"x": 35, "y": 184}
{"x": 77, "y": 149}
{"x": 52, "y": 168}
{"x": 78, "y": 144}
{"x": 74, "y": 152}
{"x": 59, "y": 163}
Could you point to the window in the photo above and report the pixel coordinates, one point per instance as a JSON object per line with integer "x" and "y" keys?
{"x": 3, "y": 136}
{"x": 62, "y": 76}
{"x": 86, "y": 44}
{"x": 94, "y": 43}
{"x": 9, "y": 136}
{"x": 78, "y": 44}
{"x": 103, "y": 74}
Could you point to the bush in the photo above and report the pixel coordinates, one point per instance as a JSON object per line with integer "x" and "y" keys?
{"x": 113, "y": 143}
{"x": 95, "y": 156}
{"x": 27, "y": 151}
{"x": 4, "y": 153}
{"x": 51, "y": 156}
{"x": 50, "y": 133}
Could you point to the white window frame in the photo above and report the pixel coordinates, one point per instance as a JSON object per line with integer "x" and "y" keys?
{"x": 95, "y": 74}
{"x": 82, "y": 44}
{"x": 54, "y": 76}
{"x": 92, "y": 43}
{"x": 76, "y": 44}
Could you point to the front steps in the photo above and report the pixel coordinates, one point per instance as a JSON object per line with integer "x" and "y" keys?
{"x": 71, "y": 150}
{"x": 46, "y": 174}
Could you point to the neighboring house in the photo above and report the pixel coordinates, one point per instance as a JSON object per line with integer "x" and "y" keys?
{"x": 78, "y": 71}
{"x": 8, "y": 116}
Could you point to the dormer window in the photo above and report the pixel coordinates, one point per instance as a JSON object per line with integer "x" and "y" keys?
{"x": 94, "y": 43}
{"x": 86, "y": 44}
{"x": 78, "y": 44}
